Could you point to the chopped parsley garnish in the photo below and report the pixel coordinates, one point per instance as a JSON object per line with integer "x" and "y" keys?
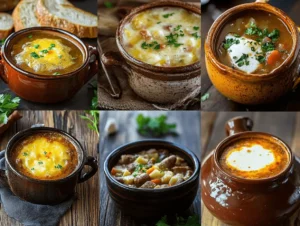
{"x": 274, "y": 35}
{"x": 29, "y": 36}
{"x": 60, "y": 56}
{"x": 108, "y": 4}
{"x": 253, "y": 49}
{"x": 177, "y": 28}
{"x": 168, "y": 15}
{"x": 253, "y": 30}
{"x": 45, "y": 152}
{"x": 44, "y": 51}
{"x": 153, "y": 44}
{"x": 2, "y": 42}
{"x": 205, "y": 97}
{"x": 40, "y": 162}
{"x": 229, "y": 42}
{"x": 51, "y": 46}
{"x": 268, "y": 46}
{"x": 32, "y": 169}
{"x": 34, "y": 55}
{"x": 25, "y": 154}
{"x": 196, "y": 28}
{"x": 261, "y": 59}
{"x": 243, "y": 60}
{"x": 36, "y": 46}
{"x": 158, "y": 22}
{"x": 58, "y": 166}
{"x": 172, "y": 40}
{"x": 56, "y": 73}
{"x": 195, "y": 35}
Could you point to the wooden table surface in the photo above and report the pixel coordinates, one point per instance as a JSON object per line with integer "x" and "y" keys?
{"x": 188, "y": 127}
{"x": 82, "y": 100}
{"x": 216, "y": 101}
{"x": 85, "y": 210}
{"x": 284, "y": 125}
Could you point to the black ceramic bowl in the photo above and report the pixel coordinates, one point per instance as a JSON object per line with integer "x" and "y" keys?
{"x": 143, "y": 203}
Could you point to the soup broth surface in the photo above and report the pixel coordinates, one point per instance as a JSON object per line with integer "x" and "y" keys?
{"x": 254, "y": 159}
{"x": 45, "y": 156}
{"x": 254, "y": 42}
{"x": 46, "y": 54}
{"x": 164, "y": 36}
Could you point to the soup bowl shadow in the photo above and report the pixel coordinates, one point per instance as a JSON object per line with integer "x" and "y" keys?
{"x": 47, "y": 192}
{"x": 147, "y": 203}
{"x": 47, "y": 88}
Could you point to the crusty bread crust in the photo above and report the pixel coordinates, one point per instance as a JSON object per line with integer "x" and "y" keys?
{"x": 7, "y": 32}
{"x": 45, "y": 18}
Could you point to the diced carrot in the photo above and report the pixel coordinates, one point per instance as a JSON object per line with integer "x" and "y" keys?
{"x": 113, "y": 171}
{"x": 156, "y": 181}
{"x": 150, "y": 170}
{"x": 273, "y": 57}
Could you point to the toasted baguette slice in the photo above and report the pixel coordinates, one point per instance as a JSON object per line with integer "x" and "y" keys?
{"x": 24, "y": 15}
{"x": 62, "y": 14}
{"x": 6, "y": 25}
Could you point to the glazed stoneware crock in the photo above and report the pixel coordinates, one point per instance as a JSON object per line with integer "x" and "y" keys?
{"x": 245, "y": 88}
{"x": 250, "y": 202}
{"x": 143, "y": 203}
{"x": 46, "y": 191}
{"x": 154, "y": 83}
{"x": 50, "y": 89}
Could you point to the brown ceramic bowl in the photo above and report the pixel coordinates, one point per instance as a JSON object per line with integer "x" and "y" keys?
{"x": 154, "y": 83}
{"x": 46, "y": 191}
{"x": 250, "y": 202}
{"x": 245, "y": 88}
{"x": 46, "y": 89}
{"x": 142, "y": 203}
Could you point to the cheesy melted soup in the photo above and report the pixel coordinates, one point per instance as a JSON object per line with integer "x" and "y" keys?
{"x": 254, "y": 42}
{"x": 167, "y": 37}
{"x": 45, "y": 54}
{"x": 254, "y": 159}
{"x": 45, "y": 156}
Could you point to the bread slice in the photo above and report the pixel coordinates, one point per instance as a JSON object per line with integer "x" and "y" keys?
{"x": 62, "y": 14}
{"x": 24, "y": 15}
{"x": 6, "y": 25}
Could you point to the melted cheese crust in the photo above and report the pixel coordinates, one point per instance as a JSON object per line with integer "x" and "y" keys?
{"x": 45, "y": 55}
{"x": 45, "y": 159}
{"x": 146, "y": 37}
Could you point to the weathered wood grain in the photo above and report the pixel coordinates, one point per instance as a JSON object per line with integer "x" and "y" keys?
{"x": 281, "y": 124}
{"x": 188, "y": 127}
{"x": 85, "y": 210}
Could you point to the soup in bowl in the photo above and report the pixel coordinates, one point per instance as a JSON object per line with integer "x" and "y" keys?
{"x": 44, "y": 165}
{"x": 252, "y": 53}
{"x": 51, "y": 62}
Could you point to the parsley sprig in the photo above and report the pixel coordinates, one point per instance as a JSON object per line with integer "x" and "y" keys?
{"x": 153, "y": 44}
{"x": 7, "y": 106}
{"x": 229, "y": 42}
{"x": 92, "y": 118}
{"x": 243, "y": 60}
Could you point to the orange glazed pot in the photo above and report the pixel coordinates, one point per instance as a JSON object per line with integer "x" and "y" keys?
{"x": 252, "y": 89}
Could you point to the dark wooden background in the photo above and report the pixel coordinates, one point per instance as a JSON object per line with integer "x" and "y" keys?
{"x": 85, "y": 210}
{"x": 285, "y": 125}
{"x": 188, "y": 127}
{"x": 82, "y": 100}
{"x": 217, "y": 102}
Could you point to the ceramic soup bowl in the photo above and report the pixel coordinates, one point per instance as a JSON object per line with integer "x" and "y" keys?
{"x": 46, "y": 89}
{"x": 235, "y": 200}
{"x": 252, "y": 89}
{"x": 157, "y": 84}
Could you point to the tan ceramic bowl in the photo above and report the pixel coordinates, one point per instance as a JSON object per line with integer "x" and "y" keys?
{"x": 154, "y": 83}
{"x": 245, "y": 88}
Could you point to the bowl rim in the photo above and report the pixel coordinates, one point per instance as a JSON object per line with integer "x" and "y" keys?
{"x": 186, "y": 151}
{"x": 138, "y": 63}
{"x": 218, "y": 24}
{"x": 248, "y": 134}
{"x": 42, "y": 29}
{"x": 33, "y": 130}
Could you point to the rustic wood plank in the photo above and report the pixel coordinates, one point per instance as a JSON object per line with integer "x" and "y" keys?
{"x": 85, "y": 210}
{"x": 188, "y": 127}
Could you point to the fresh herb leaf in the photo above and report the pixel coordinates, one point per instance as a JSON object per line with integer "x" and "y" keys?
{"x": 153, "y": 44}
{"x": 158, "y": 22}
{"x": 92, "y": 117}
{"x": 45, "y": 152}
{"x": 51, "y": 46}
{"x": 196, "y": 28}
{"x": 58, "y": 166}
{"x": 252, "y": 49}
{"x": 180, "y": 221}
{"x": 40, "y": 162}
{"x": 177, "y": 28}
{"x": 30, "y": 36}
{"x": 274, "y": 35}
{"x": 25, "y": 154}
{"x": 56, "y": 73}
{"x": 156, "y": 126}
{"x": 162, "y": 222}
{"x": 229, "y": 42}
{"x": 243, "y": 60}
{"x": 205, "y": 97}
{"x": 195, "y": 35}
{"x": 261, "y": 59}
{"x": 7, "y": 106}
{"x": 268, "y": 46}
{"x": 36, "y": 46}
{"x": 108, "y": 4}
{"x": 168, "y": 15}
{"x": 2, "y": 41}
{"x": 34, "y": 55}
{"x": 44, "y": 51}
{"x": 172, "y": 40}
{"x": 32, "y": 169}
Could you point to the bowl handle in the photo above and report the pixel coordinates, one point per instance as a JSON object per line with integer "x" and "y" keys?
{"x": 297, "y": 79}
{"x": 115, "y": 59}
{"x": 92, "y": 162}
{"x": 237, "y": 125}
{"x": 93, "y": 62}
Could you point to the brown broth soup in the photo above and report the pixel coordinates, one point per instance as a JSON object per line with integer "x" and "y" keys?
{"x": 254, "y": 42}
{"x": 46, "y": 54}
{"x": 45, "y": 156}
{"x": 254, "y": 159}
